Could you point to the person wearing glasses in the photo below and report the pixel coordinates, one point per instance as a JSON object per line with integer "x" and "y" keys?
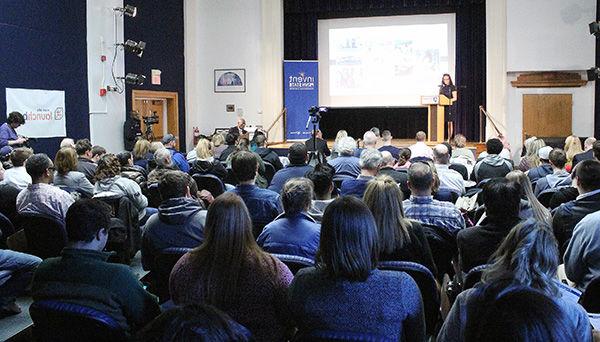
{"x": 41, "y": 197}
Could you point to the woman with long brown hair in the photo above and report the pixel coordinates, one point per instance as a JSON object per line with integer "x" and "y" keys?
{"x": 67, "y": 176}
{"x": 230, "y": 272}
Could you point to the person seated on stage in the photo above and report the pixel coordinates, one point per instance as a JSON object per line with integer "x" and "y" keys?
{"x": 388, "y": 169}
{"x": 67, "y": 176}
{"x": 16, "y": 271}
{"x": 205, "y": 163}
{"x": 231, "y": 142}
{"x": 98, "y": 151}
{"x": 82, "y": 275}
{"x": 370, "y": 163}
{"x": 67, "y": 142}
{"x": 298, "y": 156}
{"x": 544, "y": 168}
{"x": 502, "y": 201}
{"x": 164, "y": 164}
{"x": 422, "y": 207}
{"x": 492, "y": 165}
{"x": 293, "y": 232}
{"x": 264, "y": 205}
{"x": 179, "y": 160}
{"x": 386, "y": 140}
{"x": 238, "y": 130}
{"x": 588, "y": 145}
{"x": 179, "y": 221}
{"x": 40, "y": 197}
{"x": 369, "y": 141}
{"x": 267, "y": 154}
{"x": 17, "y": 176}
{"x": 320, "y": 144}
{"x": 567, "y": 215}
{"x": 449, "y": 179}
{"x": 404, "y": 159}
{"x": 420, "y": 149}
{"x": 9, "y": 138}
{"x": 129, "y": 170}
{"x": 559, "y": 177}
{"x": 346, "y": 165}
{"x": 322, "y": 178}
{"x": 85, "y": 164}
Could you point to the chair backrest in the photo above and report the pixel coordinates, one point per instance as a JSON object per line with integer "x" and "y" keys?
{"x": 331, "y": 335}
{"x": 269, "y": 171}
{"x": 6, "y": 227}
{"x": 125, "y": 236}
{"x": 60, "y": 321}
{"x": 473, "y": 276}
{"x": 460, "y": 168}
{"x": 209, "y": 182}
{"x": 153, "y": 195}
{"x": 446, "y": 195}
{"x": 590, "y": 298}
{"x": 294, "y": 262}
{"x": 46, "y": 237}
{"x": 545, "y": 196}
{"x": 443, "y": 248}
{"x": 427, "y": 285}
{"x": 161, "y": 270}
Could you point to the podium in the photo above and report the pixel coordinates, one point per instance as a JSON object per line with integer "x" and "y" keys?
{"x": 436, "y": 117}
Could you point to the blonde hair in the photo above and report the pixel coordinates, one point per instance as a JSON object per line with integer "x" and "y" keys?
{"x": 218, "y": 140}
{"x": 540, "y": 213}
{"x": 340, "y": 134}
{"x": 572, "y": 147}
{"x": 155, "y": 146}
{"x": 203, "y": 149}
{"x": 460, "y": 141}
{"x": 533, "y": 147}
{"x": 140, "y": 149}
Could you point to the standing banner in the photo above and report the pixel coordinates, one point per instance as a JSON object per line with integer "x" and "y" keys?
{"x": 44, "y": 111}
{"x": 300, "y": 92}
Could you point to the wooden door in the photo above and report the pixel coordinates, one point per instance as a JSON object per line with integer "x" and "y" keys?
{"x": 165, "y": 105}
{"x": 548, "y": 115}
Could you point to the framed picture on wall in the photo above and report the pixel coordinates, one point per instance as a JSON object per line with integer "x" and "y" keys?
{"x": 230, "y": 80}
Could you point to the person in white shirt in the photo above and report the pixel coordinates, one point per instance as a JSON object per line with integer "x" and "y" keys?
{"x": 17, "y": 176}
{"x": 420, "y": 148}
{"x": 449, "y": 179}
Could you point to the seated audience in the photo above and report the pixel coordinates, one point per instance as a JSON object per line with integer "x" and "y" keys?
{"x": 322, "y": 178}
{"x": 531, "y": 159}
{"x": 82, "y": 275}
{"x": 97, "y": 153}
{"x": 319, "y": 143}
{"x": 85, "y": 164}
{"x": 244, "y": 145}
{"x": 559, "y": 177}
{"x": 293, "y": 232}
{"x": 492, "y": 165}
{"x": 498, "y": 314}
{"x": 9, "y": 138}
{"x": 460, "y": 149}
{"x": 582, "y": 256}
{"x": 502, "y": 199}
{"x": 194, "y": 322}
{"x": 544, "y": 169}
{"x": 164, "y": 164}
{"x": 67, "y": 177}
{"x": 505, "y": 153}
{"x": 568, "y": 215}
{"x": 231, "y": 142}
{"x": 205, "y": 163}
{"x": 298, "y": 156}
{"x": 230, "y": 271}
{"x": 67, "y": 142}
{"x": 110, "y": 183}
{"x": 16, "y": 271}
{"x": 263, "y": 204}
{"x": 588, "y": 145}
{"x": 399, "y": 238}
{"x": 388, "y": 169}
{"x": 345, "y": 291}
{"x": 179, "y": 221}
{"x": 572, "y": 148}
{"x": 377, "y": 133}
{"x": 386, "y": 139}
{"x": 17, "y": 176}
{"x": 170, "y": 142}
{"x": 339, "y": 135}
{"x": 420, "y": 148}
{"x": 267, "y": 154}
{"x": 450, "y": 179}
{"x": 527, "y": 257}
{"x": 141, "y": 153}
{"x": 423, "y": 208}
{"x": 218, "y": 143}
{"x": 129, "y": 170}
{"x": 346, "y": 165}
{"x": 530, "y": 205}
{"x": 370, "y": 162}
{"x": 369, "y": 141}
{"x": 8, "y": 203}
{"x": 41, "y": 197}
{"x": 404, "y": 159}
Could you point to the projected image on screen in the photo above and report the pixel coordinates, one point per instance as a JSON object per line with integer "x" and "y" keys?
{"x": 381, "y": 64}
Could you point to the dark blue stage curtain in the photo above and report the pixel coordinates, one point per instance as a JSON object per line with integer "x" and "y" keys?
{"x": 597, "y": 97}
{"x": 43, "y": 46}
{"x": 301, "y": 39}
{"x": 160, "y": 24}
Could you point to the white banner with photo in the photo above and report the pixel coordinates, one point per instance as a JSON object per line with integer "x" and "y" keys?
{"x": 44, "y": 111}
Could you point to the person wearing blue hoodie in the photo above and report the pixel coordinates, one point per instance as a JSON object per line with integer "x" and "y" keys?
{"x": 559, "y": 176}
{"x": 179, "y": 221}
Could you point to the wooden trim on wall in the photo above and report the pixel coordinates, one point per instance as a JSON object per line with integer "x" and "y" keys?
{"x": 553, "y": 79}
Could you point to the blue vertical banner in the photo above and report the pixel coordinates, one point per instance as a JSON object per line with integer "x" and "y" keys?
{"x": 300, "y": 92}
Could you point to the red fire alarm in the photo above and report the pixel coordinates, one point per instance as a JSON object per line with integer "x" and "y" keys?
{"x": 102, "y": 91}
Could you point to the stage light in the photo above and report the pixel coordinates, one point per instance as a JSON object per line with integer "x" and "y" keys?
{"x": 133, "y": 47}
{"x": 595, "y": 28}
{"x": 128, "y": 10}
{"x": 593, "y": 73}
{"x": 135, "y": 79}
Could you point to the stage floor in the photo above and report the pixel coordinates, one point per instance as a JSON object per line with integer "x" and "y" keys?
{"x": 395, "y": 142}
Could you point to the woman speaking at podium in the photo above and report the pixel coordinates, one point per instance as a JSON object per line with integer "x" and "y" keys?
{"x": 448, "y": 89}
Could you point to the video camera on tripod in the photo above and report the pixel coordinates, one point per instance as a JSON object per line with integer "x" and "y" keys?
{"x": 149, "y": 121}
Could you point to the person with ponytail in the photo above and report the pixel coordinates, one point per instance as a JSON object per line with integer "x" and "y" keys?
{"x": 530, "y": 206}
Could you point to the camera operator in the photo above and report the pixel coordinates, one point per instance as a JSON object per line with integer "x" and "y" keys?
{"x": 132, "y": 130}
{"x": 9, "y": 139}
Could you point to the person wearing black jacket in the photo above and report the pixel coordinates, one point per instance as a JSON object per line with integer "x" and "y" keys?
{"x": 132, "y": 130}
{"x": 266, "y": 154}
{"x": 318, "y": 144}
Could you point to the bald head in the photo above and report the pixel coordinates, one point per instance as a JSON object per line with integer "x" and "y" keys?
{"x": 421, "y": 136}
{"x": 388, "y": 159}
{"x": 241, "y": 123}
{"x": 369, "y": 139}
{"x": 441, "y": 154}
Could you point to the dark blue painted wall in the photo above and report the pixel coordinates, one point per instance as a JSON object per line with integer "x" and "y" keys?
{"x": 43, "y": 46}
